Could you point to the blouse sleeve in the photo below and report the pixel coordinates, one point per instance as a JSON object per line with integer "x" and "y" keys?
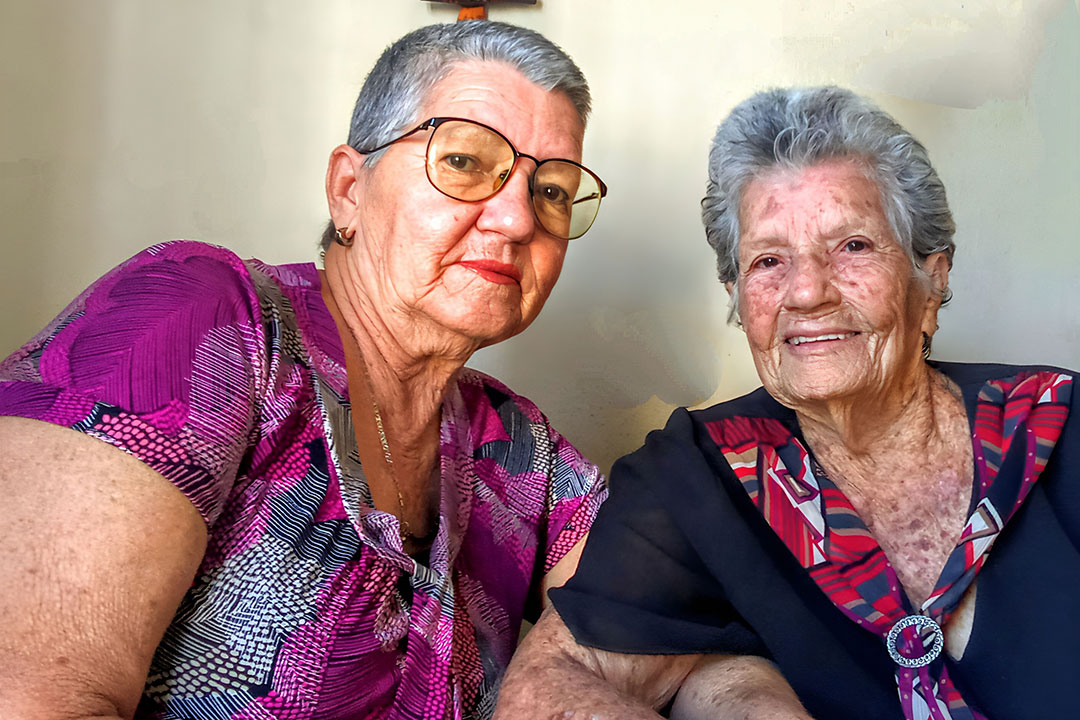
{"x": 576, "y": 491}
{"x": 641, "y": 586}
{"x": 163, "y": 358}
{"x": 539, "y": 495}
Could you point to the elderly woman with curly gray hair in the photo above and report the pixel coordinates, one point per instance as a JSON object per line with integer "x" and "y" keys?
{"x": 872, "y": 534}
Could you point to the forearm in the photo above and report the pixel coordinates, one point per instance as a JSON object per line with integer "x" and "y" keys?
{"x": 552, "y": 676}
{"x": 553, "y": 685}
{"x": 736, "y": 687}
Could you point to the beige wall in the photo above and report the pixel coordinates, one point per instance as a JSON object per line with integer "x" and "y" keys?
{"x": 126, "y": 122}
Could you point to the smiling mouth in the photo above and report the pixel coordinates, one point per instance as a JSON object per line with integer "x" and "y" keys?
{"x": 803, "y": 339}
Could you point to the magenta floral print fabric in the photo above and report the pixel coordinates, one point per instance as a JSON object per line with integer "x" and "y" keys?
{"x": 227, "y": 377}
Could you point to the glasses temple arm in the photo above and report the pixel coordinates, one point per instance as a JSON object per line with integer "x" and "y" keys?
{"x": 423, "y": 126}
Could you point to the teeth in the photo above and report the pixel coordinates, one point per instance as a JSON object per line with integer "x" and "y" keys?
{"x": 799, "y": 340}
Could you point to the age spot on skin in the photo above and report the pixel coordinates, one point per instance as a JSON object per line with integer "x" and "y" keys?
{"x": 771, "y": 208}
{"x": 916, "y": 524}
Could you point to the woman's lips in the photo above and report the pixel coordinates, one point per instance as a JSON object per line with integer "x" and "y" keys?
{"x": 494, "y": 271}
{"x": 818, "y": 337}
{"x": 817, "y": 342}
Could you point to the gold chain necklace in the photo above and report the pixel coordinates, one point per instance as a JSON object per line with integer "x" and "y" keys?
{"x": 404, "y": 530}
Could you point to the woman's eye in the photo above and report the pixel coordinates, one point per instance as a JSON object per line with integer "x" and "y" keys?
{"x": 552, "y": 194}
{"x": 764, "y": 263}
{"x": 856, "y": 245}
{"x": 460, "y": 162}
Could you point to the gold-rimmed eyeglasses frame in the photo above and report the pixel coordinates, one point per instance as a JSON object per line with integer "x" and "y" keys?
{"x": 584, "y": 206}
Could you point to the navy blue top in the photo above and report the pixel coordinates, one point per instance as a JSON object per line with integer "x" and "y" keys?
{"x": 681, "y": 561}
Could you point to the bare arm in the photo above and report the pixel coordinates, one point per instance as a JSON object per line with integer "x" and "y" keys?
{"x": 96, "y": 552}
{"x": 736, "y": 687}
{"x": 562, "y": 570}
{"x": 551, "y": 676}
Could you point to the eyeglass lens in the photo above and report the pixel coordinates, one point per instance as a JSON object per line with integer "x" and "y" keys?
{"x": 470, "y": 162}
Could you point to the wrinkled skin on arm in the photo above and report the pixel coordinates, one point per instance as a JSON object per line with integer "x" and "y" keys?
{"x": 552, "y": 676}
{"x": 96, "y": 553}
{"x": 736, "y": 687}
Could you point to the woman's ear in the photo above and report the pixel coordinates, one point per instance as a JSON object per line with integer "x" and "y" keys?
{"x": 343, "y": 175}
{"x": 937, "y": 267}
{"x": 733, "y": 312}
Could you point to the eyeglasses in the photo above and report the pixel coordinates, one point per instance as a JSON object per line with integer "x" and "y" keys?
{"x": 470, "y": 161}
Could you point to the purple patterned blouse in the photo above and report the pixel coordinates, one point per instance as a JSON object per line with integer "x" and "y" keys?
{"x": 228, "y": 378}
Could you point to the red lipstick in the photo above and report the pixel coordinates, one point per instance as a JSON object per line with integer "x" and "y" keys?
{"x": 494, "y": 271}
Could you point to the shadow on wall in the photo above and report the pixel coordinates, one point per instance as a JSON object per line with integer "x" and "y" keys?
{"x": 609, "y": 367}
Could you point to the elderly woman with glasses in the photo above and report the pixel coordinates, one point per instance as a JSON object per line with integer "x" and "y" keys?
{"x": 871, "y": 534}
{"x": 311, "y": 508}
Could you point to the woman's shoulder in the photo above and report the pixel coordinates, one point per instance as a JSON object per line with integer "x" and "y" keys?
{"x": 200, "y": 263}
{"x": 978, "y": 373}
{"x": 157, "y": 299}
{"x": 755, "y": 413}
{"x": 1002, "y": 384}
{"x": 173, "y": 278}
{"x": 149, "y": 330}
{"x": 199, "y": 260}
{"x": 483, "y": 393}
{"x": 503, "y": 424}
{"x": 195, "y": 264}
{"x": 685, "y": 455}
{"x": 165, "y": 357}
{"x": 689, "y": 434}
{"x": 755, "y": 404}
{"x": 209, "y": 288}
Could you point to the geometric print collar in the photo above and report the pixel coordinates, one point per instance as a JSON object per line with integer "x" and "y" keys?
{"x": 1016, "y": 425}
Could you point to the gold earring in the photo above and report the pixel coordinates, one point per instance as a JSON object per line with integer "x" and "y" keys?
{"x": 343, "y": 239}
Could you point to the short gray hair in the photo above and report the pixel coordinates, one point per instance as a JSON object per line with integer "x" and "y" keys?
{"x": 396, "y": 88}
{"x": 796, "y": 128}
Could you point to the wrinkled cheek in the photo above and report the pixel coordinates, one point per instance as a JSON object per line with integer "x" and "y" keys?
{"x": 458, "y": 218}
{"x": 761, "y": 292}
{"x": 546, "y": 272}
{"x": 758, "y": 318}
{"x": 882, "y": 305}
{"x": 758, "y": 313}
{"x": 456, "y": 282}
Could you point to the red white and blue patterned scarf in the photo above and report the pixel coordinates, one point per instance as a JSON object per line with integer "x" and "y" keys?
{"x": 1019, "y": 418}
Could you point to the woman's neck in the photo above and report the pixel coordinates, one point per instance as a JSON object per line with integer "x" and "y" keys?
{"x": 908, "y": 475}
{"x": 904, "y": 416}
{"x": 406, "y": 370}
{"x": 903, "y": 430}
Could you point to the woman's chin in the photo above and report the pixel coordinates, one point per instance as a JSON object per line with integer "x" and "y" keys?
{"x": 486, "y": 330}
{"x": 804, "y": 392}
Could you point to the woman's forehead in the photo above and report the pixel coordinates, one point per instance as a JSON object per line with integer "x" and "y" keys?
{"x": 497, "y": 94}
{"x": 812, "y": 194}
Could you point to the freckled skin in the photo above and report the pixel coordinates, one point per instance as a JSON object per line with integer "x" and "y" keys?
{"x": 834, "y": 315}
{"x": 817, "y": 254}
{"x": 917, "y": 532}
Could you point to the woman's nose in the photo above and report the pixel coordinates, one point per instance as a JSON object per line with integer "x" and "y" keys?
{"x": 510, "y": 210}
{"x": 810, "y": 284}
